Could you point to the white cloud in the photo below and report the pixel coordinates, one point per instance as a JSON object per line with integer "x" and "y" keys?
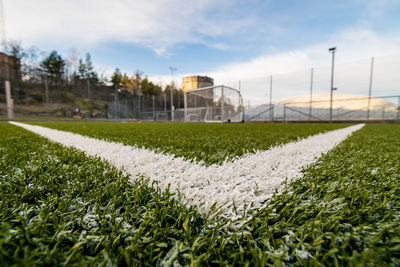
{"x": 157, "y": 24}
{"x": 378, "y": 8}
{"x": 262, "y": 66}
{"x": 291, "y": 69}
{"x": 160, "y": 24}
{"x": 355, "y": 44}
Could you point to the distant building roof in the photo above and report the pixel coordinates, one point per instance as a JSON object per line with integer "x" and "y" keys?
{"x": 195, "y": 82}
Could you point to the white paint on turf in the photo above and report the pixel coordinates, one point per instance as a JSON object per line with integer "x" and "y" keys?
{"x": 251, "y": 179}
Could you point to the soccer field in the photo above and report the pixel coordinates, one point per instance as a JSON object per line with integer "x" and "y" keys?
{"x": 210, "y": 143}
{"x": 62, "y": 206}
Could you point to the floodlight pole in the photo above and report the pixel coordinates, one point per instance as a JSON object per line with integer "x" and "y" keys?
{"x": 9, "y": 101}
{"x": 311, "y": 89}
{"x": 370, "y": 86}
{"x": 332, "y": 50}
{"x": 7, "y": 85}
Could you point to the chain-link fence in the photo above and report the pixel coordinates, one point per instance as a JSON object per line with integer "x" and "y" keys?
{"x": 365, "y": 89}
{"x": 149, "y": 108}
{"x": 44, "y": 100}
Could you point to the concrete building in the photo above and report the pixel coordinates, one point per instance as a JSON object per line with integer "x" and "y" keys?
{"x": 194, "y": 82}
{"x": 10, "y": 67}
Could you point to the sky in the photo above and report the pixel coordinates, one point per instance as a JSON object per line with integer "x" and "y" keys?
{"x": 229, "y": 40}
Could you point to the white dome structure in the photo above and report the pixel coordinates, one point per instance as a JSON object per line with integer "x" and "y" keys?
{"x": 344, "y": 107}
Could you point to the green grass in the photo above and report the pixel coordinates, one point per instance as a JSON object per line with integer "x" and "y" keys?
{"x": 345, "y": 211}
{"x": 39, "y": 118}
{"x": 209, "y": 143}
{"x": 60, "y": 207}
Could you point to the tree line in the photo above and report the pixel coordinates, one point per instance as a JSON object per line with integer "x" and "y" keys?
{"x": 34, "y": 65}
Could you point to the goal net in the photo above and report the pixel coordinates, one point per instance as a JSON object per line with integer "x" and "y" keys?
{"x": 213, "y": 104}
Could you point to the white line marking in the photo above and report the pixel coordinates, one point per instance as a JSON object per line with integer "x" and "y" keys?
{"x": 251, "y": 179}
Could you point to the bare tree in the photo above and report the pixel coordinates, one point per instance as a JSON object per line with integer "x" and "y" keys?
{"x": 71, "y": 63}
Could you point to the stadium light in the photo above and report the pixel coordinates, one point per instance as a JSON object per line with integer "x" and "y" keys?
{"x": 332, "y": 50}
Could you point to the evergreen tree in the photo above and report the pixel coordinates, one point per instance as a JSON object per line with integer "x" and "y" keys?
{"x": 116, "y": 78}
{"x": 53, "y": 66}
{"x": 90, "y": 73}
{"x": 82, "y": 69}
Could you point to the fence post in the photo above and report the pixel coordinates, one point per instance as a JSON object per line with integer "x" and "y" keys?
{"x": 172, "y": 103}
{"x": 139, "y": 115}
{"x": 126, "y": 108}
{"x": 46, "y": 87}
{"x": 185, "y": 106}
{"x": 284, "y": 112}
{"x": 370, "y": 86}
{"x": 398, "y": 108}
{"x": 179, "y": 99}
{"x": 311, "y": 89}
{"x": 10, "y": 101}
{"x": 333, "y": 49}
{"x": 143, "y": 104}
{"x": 272, "y": 111}
{"x": 133, "y": 106}
{"x": 89, "y": 98}
{"x": 116, "y": 103}
{"x": 270, "y": 99}
{"x": 165, "y": 104}
{"x": 222, "y": 104}
{"x": 154, "y": 114}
